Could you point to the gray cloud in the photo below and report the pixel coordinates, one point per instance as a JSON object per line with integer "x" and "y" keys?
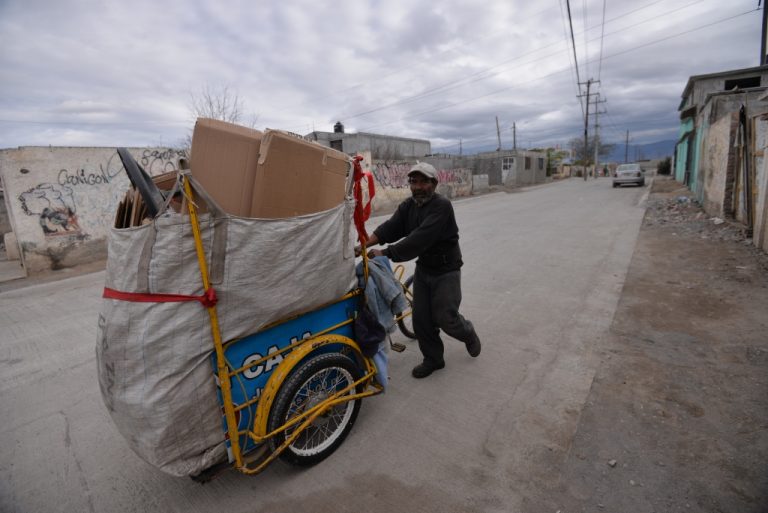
{"x": 122, "y": 73}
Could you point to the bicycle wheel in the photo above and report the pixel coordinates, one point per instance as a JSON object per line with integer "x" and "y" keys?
{"x": 313, "y": 382}
{"x": 406, "y": 323}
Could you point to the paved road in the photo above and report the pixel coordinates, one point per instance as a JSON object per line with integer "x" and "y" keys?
{"x": 543, "y": 274}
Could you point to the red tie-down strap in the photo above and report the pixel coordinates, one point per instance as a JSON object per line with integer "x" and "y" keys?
{"x": 208, "y": 299}
{"x": 362, "y": 213}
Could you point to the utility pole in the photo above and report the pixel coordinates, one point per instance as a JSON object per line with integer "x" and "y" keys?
{"x": 459, "y": 147}
{"x": 626, "y": 147}
{"x": 586, "y": 124}
{"x": 514, "y": 136}
{"x": 498, "y": 133}
{"x": 596, "y": 136}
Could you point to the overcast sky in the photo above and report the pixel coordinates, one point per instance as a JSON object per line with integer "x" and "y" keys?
{"x": 122, "y": 73}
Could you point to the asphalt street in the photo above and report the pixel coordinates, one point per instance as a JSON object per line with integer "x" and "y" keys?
{"x": 544, "y": 270}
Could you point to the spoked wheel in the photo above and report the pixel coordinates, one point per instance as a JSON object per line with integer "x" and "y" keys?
{"x": 406, "y": 323}
{"x": 312, "y": 383}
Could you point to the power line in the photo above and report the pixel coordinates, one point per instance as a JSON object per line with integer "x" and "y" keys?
{"x": 455, "y": 104}
{"x": 602, "y": 39}
{"x": 573, "y": 42}
{"x": 448, "y": 86}
{"x": 576, "y": 82}
{"x": 428, "y": 91}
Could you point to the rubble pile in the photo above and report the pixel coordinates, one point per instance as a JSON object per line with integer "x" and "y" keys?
{"x": 685, "y": 215}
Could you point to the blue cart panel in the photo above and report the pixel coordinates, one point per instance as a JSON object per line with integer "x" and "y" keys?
{"x": 249, "y": 384}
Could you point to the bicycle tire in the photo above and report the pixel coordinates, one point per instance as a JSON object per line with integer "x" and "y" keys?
{"x": 307, "y": 386}
{"x": 406, "y": 323}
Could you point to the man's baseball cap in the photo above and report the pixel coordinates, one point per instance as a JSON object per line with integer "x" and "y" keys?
{"x": 424, "y": 169}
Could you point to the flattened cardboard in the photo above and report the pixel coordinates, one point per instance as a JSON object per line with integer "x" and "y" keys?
{"x": 223, "y": 159}
{"x": 296, "y": 177}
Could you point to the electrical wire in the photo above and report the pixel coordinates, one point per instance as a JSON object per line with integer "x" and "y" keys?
{"x": 573, "y": 43}
{"x": 602, "y": 39}
{"x": 560, "y": 71}
{"x": 573, "y": 64}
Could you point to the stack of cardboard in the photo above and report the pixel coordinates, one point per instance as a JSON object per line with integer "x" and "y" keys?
{"x": 270, "y": 174}
{"x": 132, "y": 211}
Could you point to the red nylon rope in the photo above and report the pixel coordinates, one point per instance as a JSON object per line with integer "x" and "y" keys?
{"x": 208, "y": 299}
{"x": 362, "y": 212}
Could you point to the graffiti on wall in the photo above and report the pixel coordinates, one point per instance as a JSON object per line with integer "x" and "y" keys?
{"x": 454, "y": 176}
{"x": 54, "y": 206}
{"x": 395, "y": 175}
{"x": 97, "y": 190}
{"x": 157, "y": 162}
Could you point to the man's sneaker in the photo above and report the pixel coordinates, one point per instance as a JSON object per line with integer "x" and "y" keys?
{"x": 424, "y": 369}
{"x": 473, "y": 346}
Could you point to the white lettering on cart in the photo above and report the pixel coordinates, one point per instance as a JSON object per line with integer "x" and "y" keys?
{"x": 274, "y": 361}
{"x": 268, "y": 365}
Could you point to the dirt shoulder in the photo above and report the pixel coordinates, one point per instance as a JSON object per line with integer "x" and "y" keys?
{"x": 677, "y": 416}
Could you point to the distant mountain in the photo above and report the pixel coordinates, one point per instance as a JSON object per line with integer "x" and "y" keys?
{"x": 650, "y": 151}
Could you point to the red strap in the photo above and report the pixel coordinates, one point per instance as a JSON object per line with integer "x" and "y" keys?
{"x": 362, "y": 213}
{"x": 208, "y": 299}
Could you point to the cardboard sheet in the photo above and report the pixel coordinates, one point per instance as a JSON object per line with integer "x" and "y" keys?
{"x": 296, "y": 177}
{"x": 223, "y": 159}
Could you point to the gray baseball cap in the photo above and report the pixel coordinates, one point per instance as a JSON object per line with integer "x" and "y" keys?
{"x": 425, "y": 169}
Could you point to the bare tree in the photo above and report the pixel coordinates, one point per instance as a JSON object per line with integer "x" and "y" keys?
{"x": 217, "y": 103}
{"x": 577, "y": 145}
{"x": 221, "y": 104}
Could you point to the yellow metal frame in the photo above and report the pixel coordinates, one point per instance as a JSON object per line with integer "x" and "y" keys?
{"x": 399, "y": 272}
{"x": 298, "y": 352}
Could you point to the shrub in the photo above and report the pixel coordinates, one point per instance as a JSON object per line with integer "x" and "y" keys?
{"x": 664, "y": 167}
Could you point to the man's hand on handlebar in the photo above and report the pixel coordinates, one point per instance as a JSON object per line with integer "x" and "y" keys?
{"x": 372, "y": 241}
{"x": 371, "y": 252}
{"x": 375, "y": 252}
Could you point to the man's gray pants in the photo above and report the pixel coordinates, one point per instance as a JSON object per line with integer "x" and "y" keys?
{"x": 436, "y": 301}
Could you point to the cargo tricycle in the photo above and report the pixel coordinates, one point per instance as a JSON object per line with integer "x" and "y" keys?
{"x": 293, "y": 389}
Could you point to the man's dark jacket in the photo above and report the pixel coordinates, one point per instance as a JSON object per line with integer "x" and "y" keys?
{"x": 428, "y": 232}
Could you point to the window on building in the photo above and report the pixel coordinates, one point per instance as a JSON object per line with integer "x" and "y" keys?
{"x": 527, "y": 162}
{"x": 507, "y": 163}
{"x": 742, "y": 83}
{"x": 336, "y": 145}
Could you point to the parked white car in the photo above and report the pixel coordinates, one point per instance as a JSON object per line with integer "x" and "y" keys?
{"x": 629, "y": 174}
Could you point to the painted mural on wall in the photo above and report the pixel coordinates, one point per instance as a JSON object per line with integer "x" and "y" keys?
{"x": 54, "y": 205}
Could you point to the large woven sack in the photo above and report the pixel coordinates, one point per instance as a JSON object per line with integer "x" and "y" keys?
{"x": 154, "y": 364}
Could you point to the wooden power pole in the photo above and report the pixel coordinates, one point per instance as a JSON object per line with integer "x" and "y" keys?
{"x": 586, "y": 124}
{"x": 498, "y": 133}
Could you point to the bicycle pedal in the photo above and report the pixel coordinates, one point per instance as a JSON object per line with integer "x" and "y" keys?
{"x": 397, "y": 347}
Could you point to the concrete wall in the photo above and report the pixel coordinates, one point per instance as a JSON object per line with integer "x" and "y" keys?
{"x": 61, "y": 201}
{"x": 491, "y": 164}
{"x": 682, "y": 149}
{"x": 707, "y": 85}
{"x": 382, "y": 147}
{"x": 391, "y": 181}
{"x": 715, "y": 151}
{"x": 480, "y": 184}
{"x": 716, "y": 177}
{"x": 5, "y": 220}
{"x": 760, "y": 232}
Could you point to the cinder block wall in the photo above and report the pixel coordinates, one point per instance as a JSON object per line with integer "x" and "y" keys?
{"x": 62, "y": 201}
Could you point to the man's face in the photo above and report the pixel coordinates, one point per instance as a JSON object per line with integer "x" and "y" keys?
{"x": 422, "y": 188}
